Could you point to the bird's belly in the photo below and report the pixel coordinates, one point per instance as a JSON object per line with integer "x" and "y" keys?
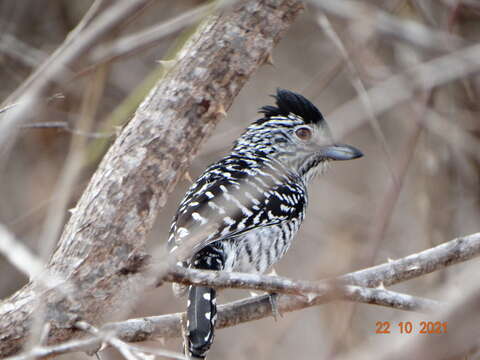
{"x": 259, "y": 249}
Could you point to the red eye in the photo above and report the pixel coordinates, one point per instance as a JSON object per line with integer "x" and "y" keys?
{"x": 303, "y": 133}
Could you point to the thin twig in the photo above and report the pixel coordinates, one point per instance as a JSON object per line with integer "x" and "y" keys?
{"x": 127, "y": 350}
{"x": 406, "y": 30}
{"x": 149, "y": 37}
{"x": 402, "y": 87}
{"x": 384, "y": 211}
{"x": 65, "y": 126}
{"x": 361, "y": 91}
{"x": 18, "y": 254}
{"x": 25, "y": 53}
{"x": 58, "y": 64}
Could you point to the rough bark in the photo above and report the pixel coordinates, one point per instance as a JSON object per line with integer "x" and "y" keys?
{"x": 101, "y": 250}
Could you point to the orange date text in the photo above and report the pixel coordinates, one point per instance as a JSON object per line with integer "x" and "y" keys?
{"x": 411, "y": 327}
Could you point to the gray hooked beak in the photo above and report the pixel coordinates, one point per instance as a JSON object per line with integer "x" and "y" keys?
{"x": 341, "y": 152}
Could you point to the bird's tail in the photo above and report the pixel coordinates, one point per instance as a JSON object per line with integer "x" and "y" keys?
{"x": 201, "y": 316}
{"x": 202, "y": 305}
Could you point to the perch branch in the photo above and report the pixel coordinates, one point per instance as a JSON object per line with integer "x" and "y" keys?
{"x": 165, "y": 326}
{"x": 331, "y": 289}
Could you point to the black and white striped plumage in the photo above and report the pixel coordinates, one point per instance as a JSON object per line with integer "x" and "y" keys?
{"x": 243, "y": 212}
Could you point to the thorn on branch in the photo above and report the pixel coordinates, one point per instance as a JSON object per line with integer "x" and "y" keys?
{"x": 188, "y": 177}
{"x": 167, "y": 64}
{"x": 220, "y": 111}
{"x": 269, "y": 60}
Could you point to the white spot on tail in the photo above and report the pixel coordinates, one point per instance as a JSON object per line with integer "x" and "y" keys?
{"x": 208, "y": 315}
{"x": 207, "y": 296}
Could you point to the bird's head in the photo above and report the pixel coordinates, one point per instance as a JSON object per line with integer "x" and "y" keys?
{"x": 295, "y": 133}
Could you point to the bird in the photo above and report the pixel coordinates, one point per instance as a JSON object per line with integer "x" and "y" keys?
{"x": 243, "y": 212}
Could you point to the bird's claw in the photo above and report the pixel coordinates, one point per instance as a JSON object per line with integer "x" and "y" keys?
{"x": 272, "y": 297}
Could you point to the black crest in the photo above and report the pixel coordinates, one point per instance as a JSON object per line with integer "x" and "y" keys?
{"x": 291, "y": 102}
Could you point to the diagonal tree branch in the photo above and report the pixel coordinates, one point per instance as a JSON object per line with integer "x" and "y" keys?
{"x": 101, "y": 250}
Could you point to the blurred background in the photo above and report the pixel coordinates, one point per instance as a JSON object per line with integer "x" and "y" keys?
{"x": 416, "y": 187}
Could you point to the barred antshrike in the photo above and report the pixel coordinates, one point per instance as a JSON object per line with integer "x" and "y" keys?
{"x": 243, "y": 212}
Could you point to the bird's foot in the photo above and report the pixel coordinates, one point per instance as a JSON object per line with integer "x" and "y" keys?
{"x": 272, "y": 297}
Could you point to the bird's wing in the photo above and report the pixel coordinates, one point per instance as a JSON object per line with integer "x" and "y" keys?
{"x": 231, "y": 199}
